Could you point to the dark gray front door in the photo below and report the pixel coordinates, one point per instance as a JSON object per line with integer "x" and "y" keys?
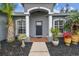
{"x": 38, "y": 27}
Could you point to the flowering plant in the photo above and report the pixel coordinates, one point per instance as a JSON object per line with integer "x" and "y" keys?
{"x": 67, "y": 34}
{"x": 67, "y": 38}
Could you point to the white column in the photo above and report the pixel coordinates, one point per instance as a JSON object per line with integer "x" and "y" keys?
{"x": 27, "y": 25}
{"x": 50, "y": 25}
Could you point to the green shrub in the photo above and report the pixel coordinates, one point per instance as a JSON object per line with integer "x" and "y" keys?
{"x": 55, "y": 32}
{"x": 22, "y": 36}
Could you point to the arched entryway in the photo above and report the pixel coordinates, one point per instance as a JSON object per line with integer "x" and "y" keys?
{"x": 38, "y": 22}
{"x": 38, "y": 25}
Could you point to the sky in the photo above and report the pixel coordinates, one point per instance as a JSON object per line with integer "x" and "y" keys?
{"x": 57, "y": 8}
{"x": 19, "y": 8}
{"x": 72, "y": 6}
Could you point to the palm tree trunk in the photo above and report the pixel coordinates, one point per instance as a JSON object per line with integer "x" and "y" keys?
{"x": 10, "y": 35}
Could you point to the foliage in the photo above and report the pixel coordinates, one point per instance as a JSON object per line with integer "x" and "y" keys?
{"x": 8, "y": 8}
{"x": 73, "y": 18}
{"x": 67, "y": 34}
{"x": 55, "y": 32}
{"x": 22, "y": 36}
{"x": 77, "y": 32}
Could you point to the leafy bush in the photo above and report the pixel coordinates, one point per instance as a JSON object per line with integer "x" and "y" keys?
{"x": 22, "y": 36}
{"x": 55, "y": 32}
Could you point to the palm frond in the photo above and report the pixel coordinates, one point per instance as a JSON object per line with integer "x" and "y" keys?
{"x": 7, "y": 7}
{"x": 73, "y": 19}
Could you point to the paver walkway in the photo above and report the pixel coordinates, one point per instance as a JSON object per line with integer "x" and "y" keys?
{"x": 39, "y": 49}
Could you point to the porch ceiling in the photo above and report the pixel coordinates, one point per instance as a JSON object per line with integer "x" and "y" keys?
{"x": 40, "y": 10}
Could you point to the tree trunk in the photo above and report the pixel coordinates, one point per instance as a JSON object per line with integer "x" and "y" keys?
{"x": 10, "y": 36}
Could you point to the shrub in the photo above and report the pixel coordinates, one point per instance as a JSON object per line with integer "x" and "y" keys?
{"x": 21, "y": 37}
{"x": 55, "y": 32}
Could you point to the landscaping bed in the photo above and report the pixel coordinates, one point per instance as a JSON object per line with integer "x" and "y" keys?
{"x": 14, "y": 49}
{"x": 62, "y": 49}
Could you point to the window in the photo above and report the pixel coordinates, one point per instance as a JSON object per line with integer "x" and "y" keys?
{"x": 59, "y": 23}
{"x": 39, "y": 23}
{"x": 21, "y": 26}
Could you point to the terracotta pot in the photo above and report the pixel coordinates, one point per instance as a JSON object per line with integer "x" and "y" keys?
{"x": 75, "y": 39}
{"x": 67, "y": 41}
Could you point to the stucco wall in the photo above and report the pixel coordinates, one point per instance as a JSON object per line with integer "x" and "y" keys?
{"x": 3, "y": 27}
{"x": 31, "y": 5}
{"x": 38, "y": 16}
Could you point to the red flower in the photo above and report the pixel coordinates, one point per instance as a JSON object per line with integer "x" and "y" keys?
{"x": 66, "y": 34}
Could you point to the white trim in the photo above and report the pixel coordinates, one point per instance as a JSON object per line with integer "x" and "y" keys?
{"x": 27, "y": 26}
{"x": 17, "y": 25}
{"x": 56, "y": 20}
{"x": 27, "y": 18}
{"x": 60, "y": 34}
{"x": 50, "y": 25}
{"x": 28, "y": 11}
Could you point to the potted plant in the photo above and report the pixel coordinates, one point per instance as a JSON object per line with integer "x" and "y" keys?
{"x": 78, "y": 34}
{"x": 67, "y": 38}
{"x": 75, "y": 37}
{"x": 55, "y": 32}
{"x": 67, "y": 33}
{"x": 21, "y": 38}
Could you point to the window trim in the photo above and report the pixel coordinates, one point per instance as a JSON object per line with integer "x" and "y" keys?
{"x": 17, "y": 25}
{"x": 56, "y": 19}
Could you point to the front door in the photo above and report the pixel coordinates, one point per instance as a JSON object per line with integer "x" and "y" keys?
{"x": 38, "y": 28}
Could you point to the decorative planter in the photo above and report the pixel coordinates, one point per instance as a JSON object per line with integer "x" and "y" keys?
{"x": 67, "y": 41}
{"x": 67, "y": 38}
{"x": 55, "y": 43}
{"x": 78, "y": 35}
{"x": 23, "y": 43}
{"x": 75, "y": 39}
{"x": 21, "y": 38}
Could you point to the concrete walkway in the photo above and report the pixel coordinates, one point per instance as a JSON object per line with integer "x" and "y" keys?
{"x": 39, "y": 49}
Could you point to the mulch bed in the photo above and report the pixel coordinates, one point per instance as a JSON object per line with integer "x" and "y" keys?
{"x": 15, "y": 49}
{"x": 62, "y": 49}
